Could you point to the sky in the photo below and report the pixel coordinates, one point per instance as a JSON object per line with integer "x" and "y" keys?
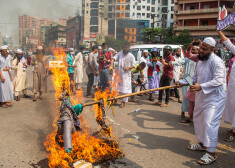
{"x": 52, "y": 9}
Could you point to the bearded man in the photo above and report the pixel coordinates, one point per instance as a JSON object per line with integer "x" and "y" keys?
{"x": 210, "y": 88}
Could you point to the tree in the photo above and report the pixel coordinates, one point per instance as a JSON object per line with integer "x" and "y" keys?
{"x": 184, "y": 38}
{"x": 149, "y": 34}
{"x": 115, "y": 43}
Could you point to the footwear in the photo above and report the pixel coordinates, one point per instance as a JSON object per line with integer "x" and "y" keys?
{"x": 122, "y": 105}
{"x": 151, "y": 99}
{"x": 230, "y": 138}
{"x": 179, "y": 101}
{"x": 17, "y": 98}
{"x": 158, "y": 103}
{"x": 196, "y": 147}
{"x": 9, "y": 104}
{"x": 206, "y": 159}
{"x": 4, "y": 105}
{"x": 40, "y": 97}
{"x": 185, "y": 120}
{"x": 35, "y": 97}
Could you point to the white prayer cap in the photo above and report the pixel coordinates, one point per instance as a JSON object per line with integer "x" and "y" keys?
{"x": 99, "y": 48}
{"x": 210, "y": 41}
{"x": 19, "y": 51}
{"x": 71, "y": 49}
{"x": 40, "y": 48}
{"x": 111, "y": 49}
{"x": 4, "y": 47}
{"x": 145, "y": 51}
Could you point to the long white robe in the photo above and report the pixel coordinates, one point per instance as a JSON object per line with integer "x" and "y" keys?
{"x": 125, "y": 61}
{"x": 6, "y": 88}
{"x": 145, "y": 70}
{"x": 78, "y": 71}
{"x": 210, "y": 101}
{"x": 229, "y": 111}
{"x": 20, "y": 80}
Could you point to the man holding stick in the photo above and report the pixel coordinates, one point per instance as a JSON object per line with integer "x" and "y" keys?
{"x": 210, "y": 88}
{"x": 126, "y": 61}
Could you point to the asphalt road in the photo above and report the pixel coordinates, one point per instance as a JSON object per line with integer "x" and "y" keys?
{"x": 150, "y": 138}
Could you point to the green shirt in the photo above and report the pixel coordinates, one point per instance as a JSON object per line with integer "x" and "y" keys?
{"x": 69, "y": 60}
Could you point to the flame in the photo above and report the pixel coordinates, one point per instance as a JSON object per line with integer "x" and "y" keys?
{"x": 93, "y": 148}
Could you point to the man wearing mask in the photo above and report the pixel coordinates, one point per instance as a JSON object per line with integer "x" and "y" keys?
{"x": 6, "y": 90}
{"x": 167, "y": 75}
{"x": 40, "y": 73}
{"x": 70, "y": 68}
{"x": 91, "y": 70}
{"x": 20, "y": 82}
{"x": 78, "y": 70}
{"x": 153, "y": 72}
{"x": 104, "y": 60}
{"x": 178, "y": 69}
{"x": 126, "y": 61}
{"x": 210, "y": 88}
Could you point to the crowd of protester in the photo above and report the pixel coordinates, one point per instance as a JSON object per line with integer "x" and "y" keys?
{"x": 205, "y": 100}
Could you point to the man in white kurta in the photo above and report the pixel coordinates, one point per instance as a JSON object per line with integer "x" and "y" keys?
{"x": 126, "y": 61}
{"x": 78, "y": 71}
{"x": 144, "y": 58}
{"x": 210, "y": 87}
{"x": 6, "y": 89}
{"x": 229, "y": 111}
{"x": 20, "y": 81}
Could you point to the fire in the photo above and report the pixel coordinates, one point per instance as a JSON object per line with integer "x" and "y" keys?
{"x": 94, "y": 148}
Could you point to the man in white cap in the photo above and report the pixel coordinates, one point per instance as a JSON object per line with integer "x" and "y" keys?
{"x": 144, "y": 58}
{"x": 40, "y": 73}
{"x": 210, "y": 88}
{"x": 6, "y": 89}
{"x": 20, "y": 82}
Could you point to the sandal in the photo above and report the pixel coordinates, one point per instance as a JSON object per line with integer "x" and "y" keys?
{"x": 179, "y": 101}
{"x": 158, "y": 103}
{"x": 185, "y": 120}
{"x": 229, "y": 138}
{"x": 122, "y": 105}
{"x": 196, "y": 147}
{"x": 9, "y": 104}
{"x": 206, "y": 159}
{"x": 151, "y": 99}
{"x": 164, "y": 105}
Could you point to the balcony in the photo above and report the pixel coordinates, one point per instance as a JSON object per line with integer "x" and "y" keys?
{"x": 196, "y": 28}
{"x": 201, "y": 11}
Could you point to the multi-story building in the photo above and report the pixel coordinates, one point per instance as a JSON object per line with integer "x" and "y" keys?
{"x": 200, "y": 17}
{"x": 56, "y": 36}
{"x": 32, "y": 31}
{"x": 73, "y": 32}
{"x": 95, "y": 19}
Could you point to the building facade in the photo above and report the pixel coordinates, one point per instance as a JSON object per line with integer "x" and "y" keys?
{"x": 73, "y": 32}
{"x": 200, "y": 17}
{"x": 56, "y": 36}
{"x": 1, "y": 42}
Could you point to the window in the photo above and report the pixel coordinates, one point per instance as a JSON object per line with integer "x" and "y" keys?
{"x": 87, "y": 4}
{"x": 138, "y": 7}
{"x": 205, "y": 22}
{"x": 133, "y": 6}
{"x": 143, "y": 7}
{"x": 87, "y": 12}
{"x": 172, "y": 8}
{"x": 94, "y": 4}
{"x": 148, "y": 15}
{"x": 153, "y": 2}
{"x": 94, "y": 12}
{"x": 143, "y": 14}
{"x": 110, "y": 8}
{"x": 192, "y": 7}
{"x": 148, "y": 1}
{"x": 148, "y": 8}
{"x": 172, "y": 16}
{"x": 94, "y": 29}
{"x": 153, "y": 9}
{"x": 172, "y": 1}
{"x": 127, "y": 7}
{"x": 127, "y": 15}
{"x": 94, "y": 21}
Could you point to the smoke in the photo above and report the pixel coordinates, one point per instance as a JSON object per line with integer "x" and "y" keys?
{"x": 51, "y": 9}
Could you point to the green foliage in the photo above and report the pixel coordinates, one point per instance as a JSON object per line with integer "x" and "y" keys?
{"x": 183, "y": 38}
{"x": 149, "y": 34}
{"x": 115, "y": 43}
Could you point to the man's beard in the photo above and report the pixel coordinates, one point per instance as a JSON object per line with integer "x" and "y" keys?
{"x": 205, "y": 57}
{"x": 178, "y": 55}
{"x": 125, "y": 52}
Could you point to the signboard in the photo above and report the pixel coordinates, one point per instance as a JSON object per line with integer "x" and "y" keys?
{"x": 225, "y": 20}
{"x": 56, "y": 64}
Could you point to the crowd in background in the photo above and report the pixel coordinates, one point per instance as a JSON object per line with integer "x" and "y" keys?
{"x": 205, "y": 72}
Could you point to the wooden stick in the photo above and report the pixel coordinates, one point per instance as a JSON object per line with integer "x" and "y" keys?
{"x": 133, "y": 94}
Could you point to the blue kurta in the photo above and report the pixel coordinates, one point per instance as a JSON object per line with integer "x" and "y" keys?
{"x": 6, "y": 88}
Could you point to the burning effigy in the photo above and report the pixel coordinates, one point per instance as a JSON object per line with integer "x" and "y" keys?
{"x": 71, "y": 140}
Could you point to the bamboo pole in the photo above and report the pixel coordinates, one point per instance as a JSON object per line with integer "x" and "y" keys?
{"x": 133, "y": 94}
